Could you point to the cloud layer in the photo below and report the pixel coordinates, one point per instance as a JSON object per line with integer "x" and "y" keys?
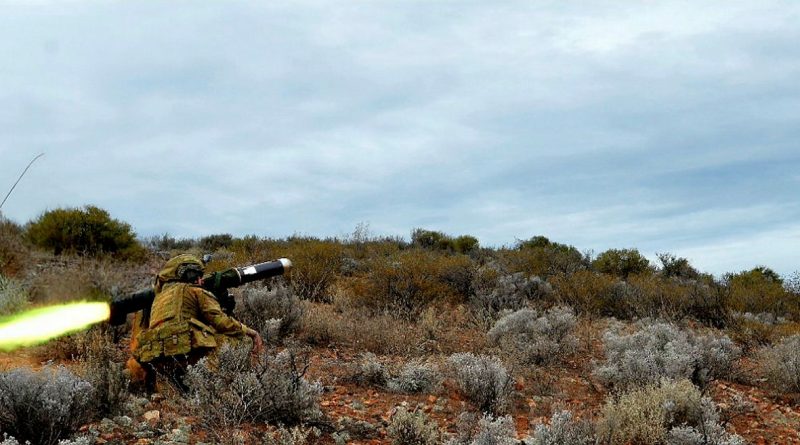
{"x": 667, "y": 127}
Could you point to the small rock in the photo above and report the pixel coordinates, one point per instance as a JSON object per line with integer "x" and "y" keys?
{"x": 153, "y": 417}
{"x": 144, "y": 434}
{"x": 157, "y": 397}
{"x": 143, "y": 442}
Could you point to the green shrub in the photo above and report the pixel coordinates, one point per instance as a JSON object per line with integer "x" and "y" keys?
{"x": 760, "y": 290}
{"x": 541, "y": 257}
{"x": 676, "y": 267}
{"x": 433, "y": 240}
{"x": 621, "y": 262}
{"x": 212, "y": 243}
{"x": 590, "y": 293}
{"x": 87, "y": 231}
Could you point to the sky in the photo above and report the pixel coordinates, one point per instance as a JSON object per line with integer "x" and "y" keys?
{"x": 670, "y": 126}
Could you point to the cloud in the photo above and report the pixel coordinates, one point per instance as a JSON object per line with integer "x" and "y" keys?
{"x": 668, "y": 127}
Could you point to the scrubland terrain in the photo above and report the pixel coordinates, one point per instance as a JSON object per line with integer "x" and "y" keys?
{"x": 435, "y": 340}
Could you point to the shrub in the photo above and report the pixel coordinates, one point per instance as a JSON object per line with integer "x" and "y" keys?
{"x": 296, "y": 435}
{"x": 660, "y": 414}
{"x": 563, "y": 429}
{"x": 433, "y": 240}
{"x": 212, "y": 243}
{"x": 781, "y": 364}
{"x": 235, "y": 390}
{"x": 43, "y": 407}
{"x": 760, "y": 290}
{"x": 541, "y": 257}
{"x": 13, "y": 252}
{"x": 315, "y": 265}
{"x": 483, "y": 380}
{"x": 371, "y": 371}
{"x": 486, "y": 430}
{"x": 406, "y": 283}
{"x": 412, "y": 428}
{"x": 13, "y": 297}
{"x": 621, "y": 262}
{"x": 512, "y": 292}
{"x": 672, "y": 266}
{"x": 590, "y": 293}
{"x": 274, "y": 311}
{"x": 103, "y": 365}
{"x": 536, "y": 338}
{"x": 87, "y": 231}
{"x": 660, "y": 351}
{"x": 416, "y": 377}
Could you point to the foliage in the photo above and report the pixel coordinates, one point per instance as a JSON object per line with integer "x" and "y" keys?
{"x": 534, "y": 337}
{"x": 316, "y": 264}
{"x": 13, "y": 297}
{"x": 235, "y": 390}
{"x": 563, "y": 429}
{"x": 484, "y": 430}
{"x": 13, "y": 252}
{"x": 88, "y": 231}
{"x": 412, "y": 428}
{"x": 213, "y": 243}
{"x": 416, "y": 377}
{"x": 512, "y": 292}
{"x": 781, "y": 364}
{"x": 371, "y": 371}
{"x": 760, "y": 290}
{"x": 621, "y": 262}
{"x": 483, "y": 380}
{"x": 43, "y": 407}
{"x": 541, "y": 257}
{"x": 676, "y": 267}
{"x": 433, "y": 240}
{"x": 661, "y": 350}
{"x": 663, "y": 413}
{"x": 103, "y": 365}
{"x": 411, "y": 280}
{"x": 274, "y": 311}
{"x": 591, "y": 294}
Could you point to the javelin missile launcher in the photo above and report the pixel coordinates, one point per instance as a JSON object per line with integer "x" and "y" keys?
{"x": 217, "y": 283}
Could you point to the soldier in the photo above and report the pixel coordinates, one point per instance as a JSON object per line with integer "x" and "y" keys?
{"x": 185, "y": 323}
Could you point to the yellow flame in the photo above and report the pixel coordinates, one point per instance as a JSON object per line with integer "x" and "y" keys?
{"x": 40, "y": 325}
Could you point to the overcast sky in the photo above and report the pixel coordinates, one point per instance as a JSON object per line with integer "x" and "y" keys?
{"x": 669, "y": 126}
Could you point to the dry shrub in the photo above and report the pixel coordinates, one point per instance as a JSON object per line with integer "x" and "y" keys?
{"x": 509, "y": 292}
{"x": 781, "y": 364}
{"x": 661, "y": 350}
{"x": 229, "y": 389}
{"x": 381, "y": 334}
{"x": 102, "y": 363}
{"x": 13, "y": 297}
{"x": 317, "y": 264}
{"x": 534, "y": 337}
{"x": 274, "y": 311}
{"x": 590, "y": 293}
{"x": 563, "y": 429}
{"x": 413, "y": 428}
{"x": 654, "y": 296}
{"x": 483, "y": 380}
{"x": 14, "y": 253}
{"x": 542, "y": 257}
{"x": 663, "y": 413}
{"x": 416, "y": 376}
{"x": 412, "y": 280}
{"x": 485, "y": 429}
{"x": 45, "y": 406}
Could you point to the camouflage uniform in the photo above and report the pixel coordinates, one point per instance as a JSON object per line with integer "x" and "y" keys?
{"x": 186, "y": 323}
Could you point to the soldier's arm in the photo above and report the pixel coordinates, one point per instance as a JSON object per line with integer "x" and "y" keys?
{"x": 212, "y": 312}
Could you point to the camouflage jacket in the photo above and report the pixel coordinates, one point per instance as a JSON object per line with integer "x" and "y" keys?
{"x": 185, "y": 317}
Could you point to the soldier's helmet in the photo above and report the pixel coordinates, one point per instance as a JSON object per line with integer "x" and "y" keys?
{"x": 185, "y": 267}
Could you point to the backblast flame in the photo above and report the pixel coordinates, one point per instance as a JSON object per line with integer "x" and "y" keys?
{"x": 42, "y": 324}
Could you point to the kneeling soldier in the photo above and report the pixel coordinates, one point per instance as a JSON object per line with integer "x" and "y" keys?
{"x": 186, "y": 323}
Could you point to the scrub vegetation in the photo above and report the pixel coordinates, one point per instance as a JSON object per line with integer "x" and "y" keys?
{"x": 430, "y": 339}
